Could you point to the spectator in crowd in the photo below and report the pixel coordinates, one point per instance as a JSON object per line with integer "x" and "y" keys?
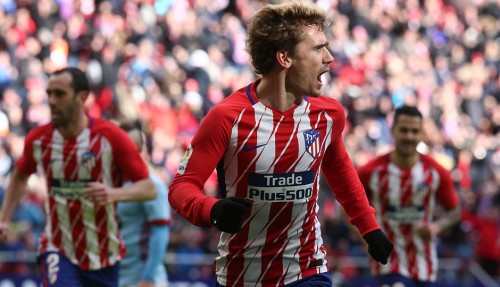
{"x": 144, "y": 226}
{"x": 84, "y": 160}
{"x": 269, "y": 141}
{"x": 406, "y": 187}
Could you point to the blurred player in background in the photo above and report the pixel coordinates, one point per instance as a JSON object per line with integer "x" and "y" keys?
{"x": 144, "y": 226}
{"x": 406, "y": 187}
{"x": 84, "y": 160}
{"x": 269, "y": 142}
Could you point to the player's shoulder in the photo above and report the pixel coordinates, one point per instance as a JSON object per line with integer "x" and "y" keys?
{"x": 327, "y": 104}
{"x": 105, "y": 127}
{"x": 39, "y": 132}
{"x": 325, "y": 101}
{"x": 375, "y": 163}
{"x": 429, "y": 161}
{"x": 99, "y": 123}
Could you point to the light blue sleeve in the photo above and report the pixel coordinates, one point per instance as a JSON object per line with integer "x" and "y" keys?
{"x": 156, "y": 250}
{"x": 158, "y": 218}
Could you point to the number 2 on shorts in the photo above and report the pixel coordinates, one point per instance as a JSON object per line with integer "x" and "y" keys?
{"x": 52, "y": 261}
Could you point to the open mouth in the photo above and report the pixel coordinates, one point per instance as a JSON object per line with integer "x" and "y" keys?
{"x": 321, "y": 77}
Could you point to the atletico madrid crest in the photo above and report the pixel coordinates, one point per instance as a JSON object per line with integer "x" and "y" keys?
{"x": 88, "y": 160}
{"x": 311, "y": 138}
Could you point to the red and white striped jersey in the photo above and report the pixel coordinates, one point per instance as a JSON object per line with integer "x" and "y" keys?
{"x": 87, "y": 234}
{"x": 403, "y": 198}
{"x": 272, "y": 158}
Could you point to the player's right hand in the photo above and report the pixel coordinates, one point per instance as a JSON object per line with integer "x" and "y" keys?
{"x": 228, "y": 213}
{"x": 4, "y": 230}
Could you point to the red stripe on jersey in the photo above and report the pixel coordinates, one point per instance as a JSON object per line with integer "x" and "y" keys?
{"x": 287, "y": 148}
{"x": 102, "y": 234}
{"x": 70, "y": 166}
{"x": 428, "y": 179}
{"x": 406, "y": 188}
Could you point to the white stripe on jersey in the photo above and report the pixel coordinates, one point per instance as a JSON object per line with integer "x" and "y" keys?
{"x": 84, "y": 137}
{"x": 92, "y": 241}
{"x": 106, "y": 162}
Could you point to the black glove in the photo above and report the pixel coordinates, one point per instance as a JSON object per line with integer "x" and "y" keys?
{"x": 379, "y": 245}
{"x": 228, "y": 213}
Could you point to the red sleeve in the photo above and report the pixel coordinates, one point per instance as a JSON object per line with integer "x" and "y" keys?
{"x": 342, "y": 178}
{"x": 446, "y": 192}
{"x": 198, "y": 163}
{"x": 127, "y": 155}
{"x": 26, "y": 163}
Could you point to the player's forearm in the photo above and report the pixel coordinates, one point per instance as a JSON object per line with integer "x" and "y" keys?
{"x": 16, "y": 189}
{"x": 156, "y": 251}
{"x": 140, "y": 190}
{"x": 448, "y": 219}
{"x": 349, "y": 192}
{"x": 187, "y": 199}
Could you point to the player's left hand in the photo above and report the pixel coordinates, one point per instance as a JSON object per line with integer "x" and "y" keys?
{"x": 427, "y": 231}
{"x": 379, "y": 246}
{"x": 4, "y": 231}
{"x": 99, "y": 193}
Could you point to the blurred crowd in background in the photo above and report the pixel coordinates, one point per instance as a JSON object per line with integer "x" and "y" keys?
{"x": 168, "y": 62}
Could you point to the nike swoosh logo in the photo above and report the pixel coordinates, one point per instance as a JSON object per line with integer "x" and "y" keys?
{"x": 250, "y": 148}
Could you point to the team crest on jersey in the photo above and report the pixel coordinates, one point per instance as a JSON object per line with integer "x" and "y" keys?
{"x": 185, "y": 160}
{"x": 311, "y": 138}
{"x": 88, "y": 159}
{"x": 422, "y": 190}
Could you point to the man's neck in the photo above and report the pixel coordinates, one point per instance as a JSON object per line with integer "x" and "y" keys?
{"x": 271, "y": 92}
{"x": 403, "y": 161}
{"x": 73, "y": 129}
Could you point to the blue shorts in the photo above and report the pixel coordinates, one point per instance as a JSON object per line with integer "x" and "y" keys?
{"x": 317, "y": 280}
{"x": 391, "y": 280}
{"x": 58, "y": 271}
